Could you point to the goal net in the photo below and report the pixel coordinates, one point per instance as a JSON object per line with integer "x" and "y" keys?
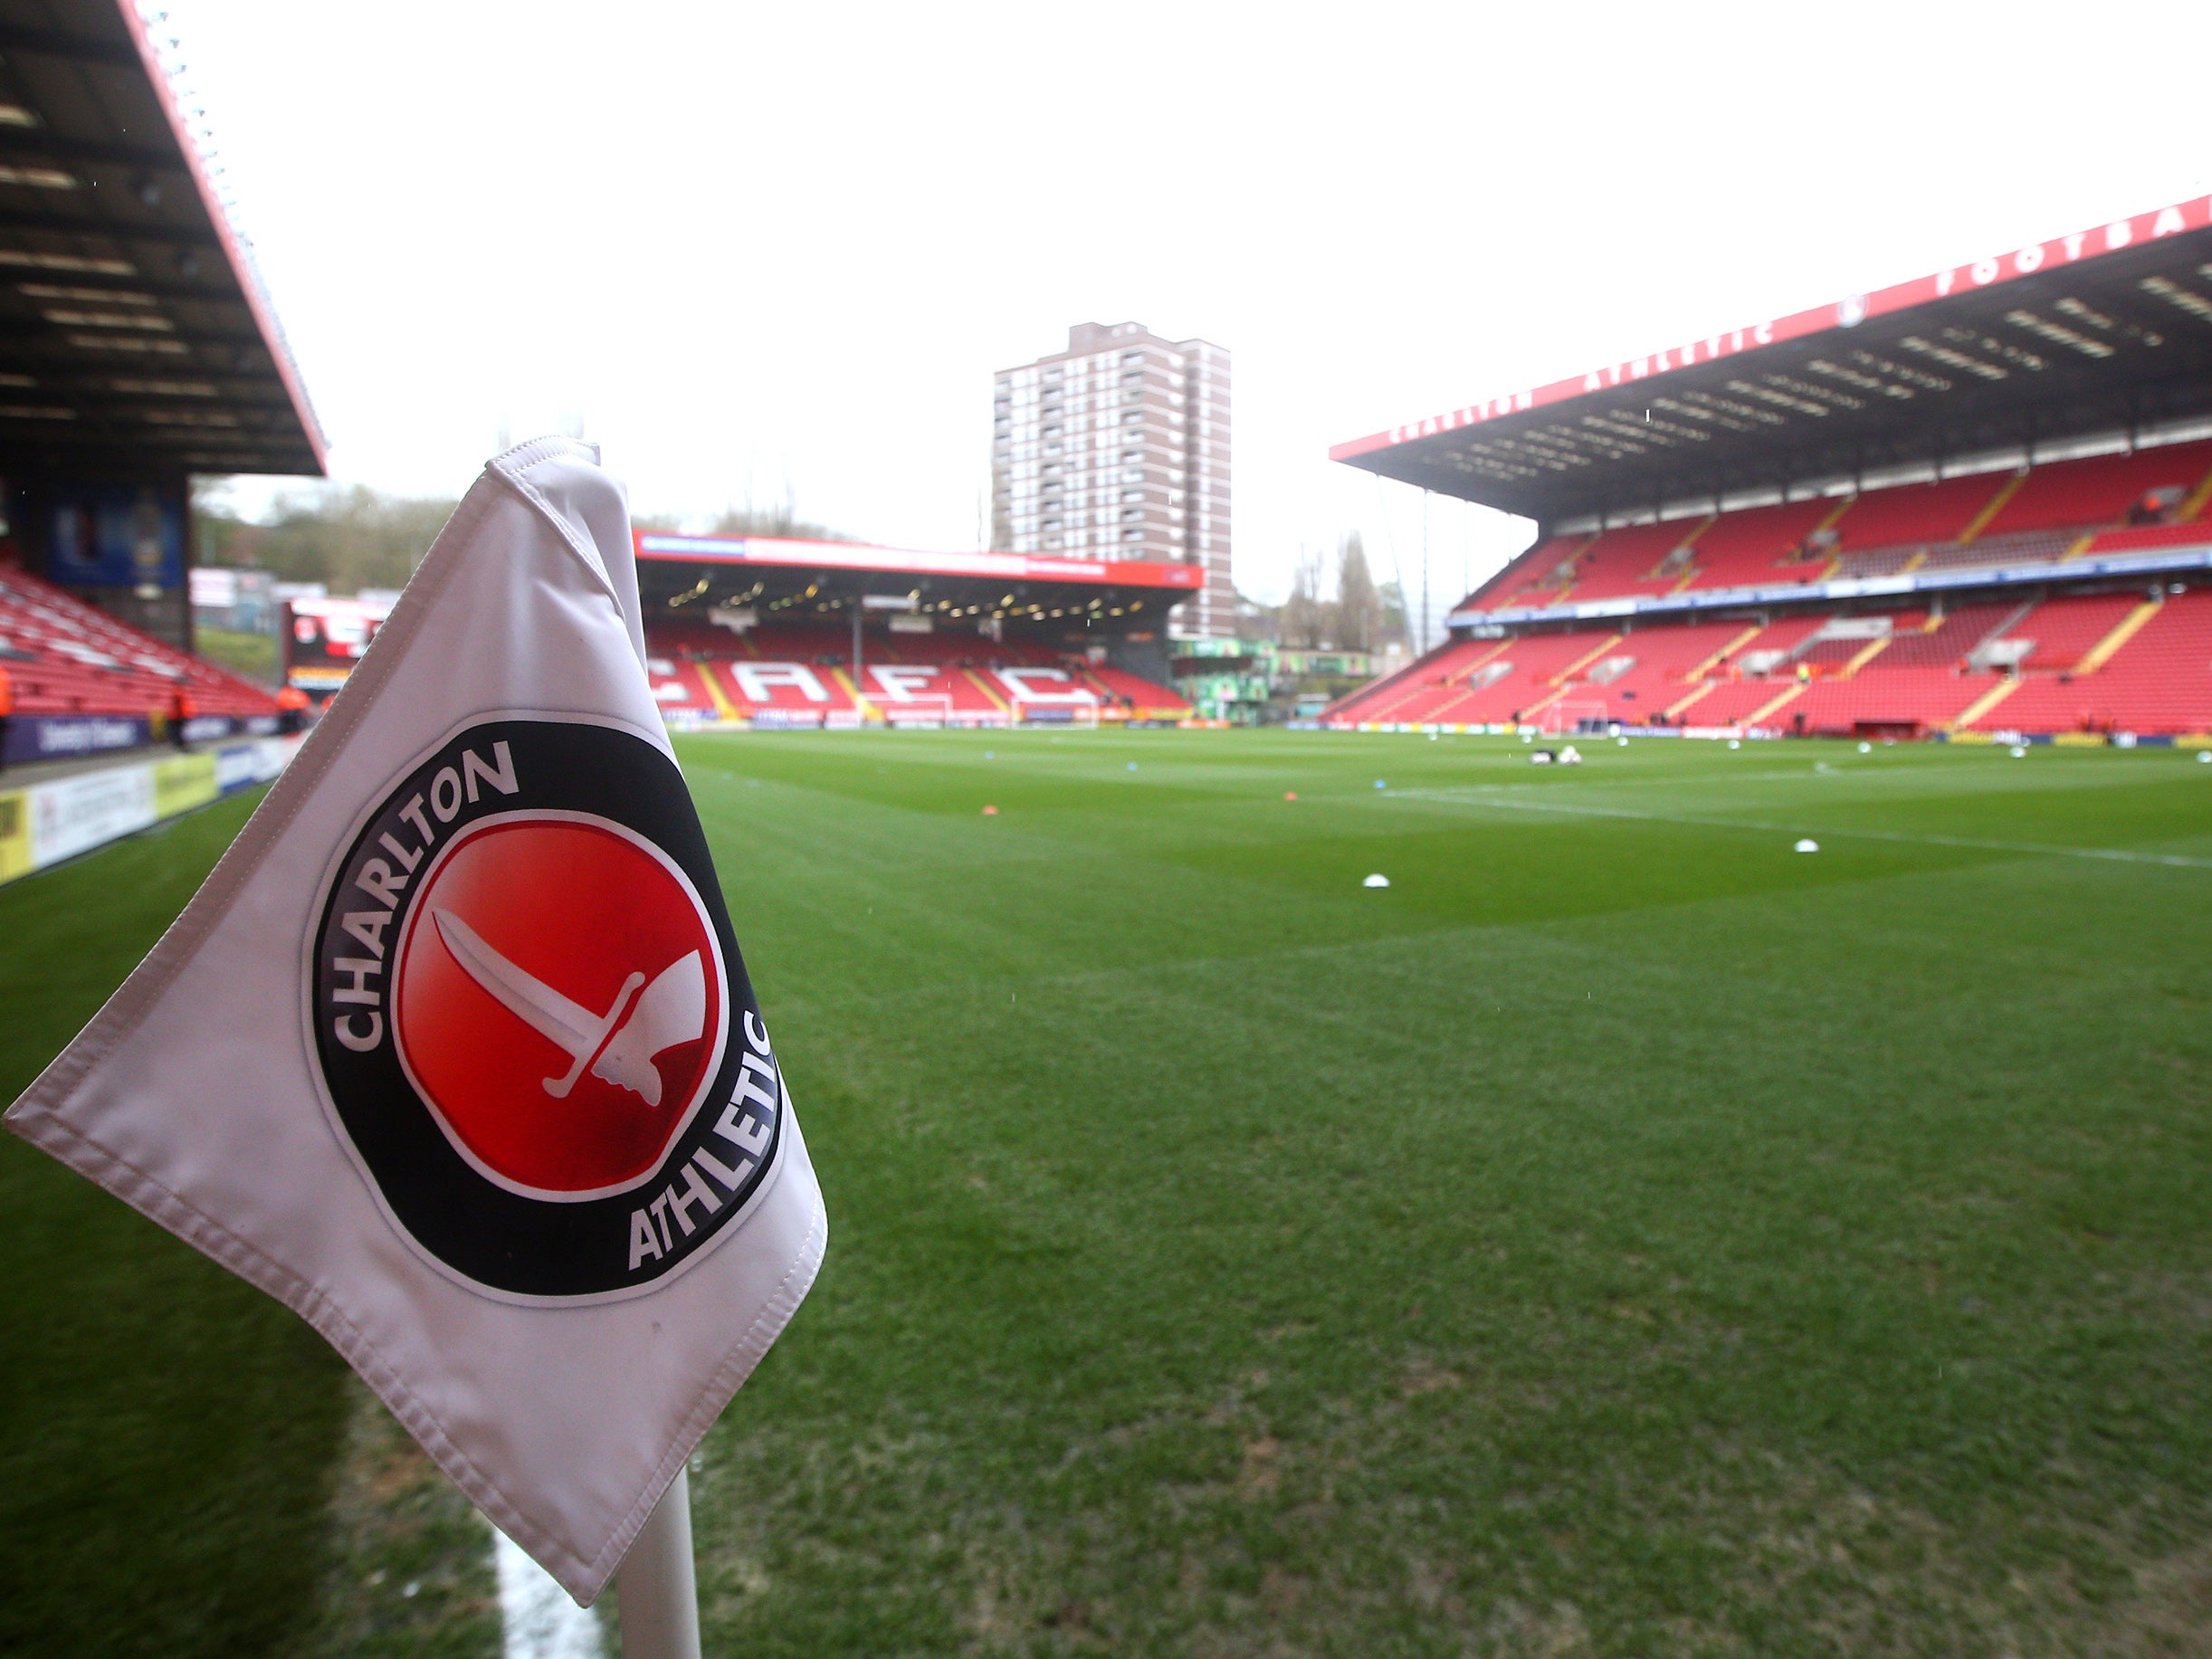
{"x": 920, "y": 709}
{"x": 1575, "y": 717}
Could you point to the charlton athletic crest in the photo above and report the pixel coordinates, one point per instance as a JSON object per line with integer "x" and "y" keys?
{"x": 533, "y": 1026}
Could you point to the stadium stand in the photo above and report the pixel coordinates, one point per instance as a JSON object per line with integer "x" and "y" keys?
{"x": 2103, "y": 490}
{"x": 1735, "y": 702}
{"x": 778, "y": 631}
{"x": 2079, "y": 662}
{"x": 1913, "y": 515}
{"x": 2156, "y": 676}
{"x": 64, "y": 656}
{"x": 1761, "y": 544}
{"x": 1893, "y": 699}
{"x": 1934, "y": 509}
{"x": 802, "y": 672}
{"x": 2061, "y": 632}
{"x": 1539, "y": 573}
{"x": 1646, "y": 672}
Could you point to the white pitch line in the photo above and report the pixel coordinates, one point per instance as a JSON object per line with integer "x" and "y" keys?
{"x": 536, "y": 1617}
{"x": 2114, "y": 854}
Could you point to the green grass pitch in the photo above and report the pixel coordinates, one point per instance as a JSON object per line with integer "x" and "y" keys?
{"x": 1622, "y": 1235}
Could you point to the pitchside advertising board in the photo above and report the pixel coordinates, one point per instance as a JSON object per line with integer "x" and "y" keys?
{"x": 46, "y": 822}
{"x": 456, "y": 1052}
{"x": 323, "y": 640}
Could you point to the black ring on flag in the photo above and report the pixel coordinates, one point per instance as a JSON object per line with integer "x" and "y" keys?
{"x": 488, "y": 1232}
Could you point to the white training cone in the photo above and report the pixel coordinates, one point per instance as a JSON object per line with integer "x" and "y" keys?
{"x": 1376, "y": 881}
{"x": 2018, "y": 753}
{"x": 1809, "y": 845}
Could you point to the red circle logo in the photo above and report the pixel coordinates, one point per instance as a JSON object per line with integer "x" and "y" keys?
{"x": 558, "y": 999}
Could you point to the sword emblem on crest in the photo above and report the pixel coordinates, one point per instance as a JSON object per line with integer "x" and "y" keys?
{"x": 673, "y": 1009}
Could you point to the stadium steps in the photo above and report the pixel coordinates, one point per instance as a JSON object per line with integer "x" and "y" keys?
{"x": 1567, "y": 675}
{"x": 1400, "y": 701}
{"x": 1764, "y": 710}
{"x": 1676, "y": 544}
{"x": 1397, "y": 697}
{"x": 1673, "y": 711}
{"x": 2062, "y": 630}
{"x": 1874, "y": 648}
{"x": 854, "y": 695}
{"x": 1981, "y": 705}
{"x": 1565, "y": 679}
{"x": 720, "y": 698}
{"x": 1443, "y": 712}
{"x": 2103, "y": 652}
{"x": 2198, "y": 501}
{"x": 1388, "y": 698}
{"x": 983, "y": 685}
{"x": 1542, "y": 703}
{"x": 1494, "y": 652}
{"x": 2020, "y": 614}
{"x": 1357, "y": 702}
{"x": 1721, "y": 656}
{"x": 1981, "y": 520}
{"x": 2102, "y": 490}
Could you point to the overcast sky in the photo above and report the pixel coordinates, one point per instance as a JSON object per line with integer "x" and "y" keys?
{"x": 750, "y": 247}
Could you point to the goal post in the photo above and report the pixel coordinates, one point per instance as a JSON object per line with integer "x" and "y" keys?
{"x": 919, "y": 709}
{"x": 1575, "y": 717}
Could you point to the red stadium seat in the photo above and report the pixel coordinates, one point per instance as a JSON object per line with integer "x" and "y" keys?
{"x": 64, "y": 656}
{"x": 803, "y": 671}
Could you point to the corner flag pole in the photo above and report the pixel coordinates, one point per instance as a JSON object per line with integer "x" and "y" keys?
{"x": 655, "y": 1586}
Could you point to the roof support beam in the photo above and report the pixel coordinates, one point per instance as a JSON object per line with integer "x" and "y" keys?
{"x": 50, "y": 146}
{"x": 77, "y": 224}
{"x": 76, "y": 48}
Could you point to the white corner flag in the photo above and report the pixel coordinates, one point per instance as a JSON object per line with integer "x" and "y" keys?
{"x": 454, "y": 1054}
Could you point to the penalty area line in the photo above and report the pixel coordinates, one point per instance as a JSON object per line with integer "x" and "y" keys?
{"x": 1973, "y": 844}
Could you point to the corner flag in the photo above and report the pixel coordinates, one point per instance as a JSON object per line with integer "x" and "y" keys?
{"x": 455, "y": 1054}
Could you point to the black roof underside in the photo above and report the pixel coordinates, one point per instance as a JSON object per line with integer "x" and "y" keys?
{"x": 2113, "y": 344}
{"x": 128, "y": 337}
